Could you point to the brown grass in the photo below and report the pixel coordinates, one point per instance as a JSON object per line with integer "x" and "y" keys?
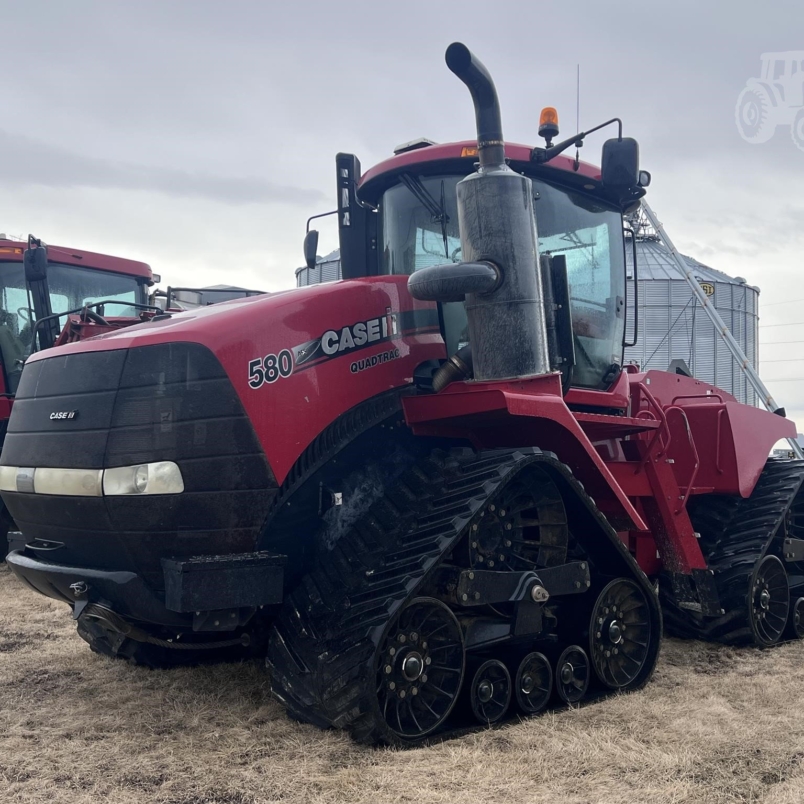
{"x": 715, "y": 725}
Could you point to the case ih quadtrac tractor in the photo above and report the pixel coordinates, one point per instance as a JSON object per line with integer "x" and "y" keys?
{"x": 428, "y": 492}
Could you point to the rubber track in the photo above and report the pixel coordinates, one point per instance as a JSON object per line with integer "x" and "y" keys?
{"x": 736, "y": 533}
{"x": 105, "y": 641}
{"x": 322, "y": 647}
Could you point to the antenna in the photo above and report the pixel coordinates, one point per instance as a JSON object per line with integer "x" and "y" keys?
{"x": 578, "y": 99}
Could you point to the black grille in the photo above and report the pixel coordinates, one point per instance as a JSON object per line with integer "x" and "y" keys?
{"x": 166, "y": 402}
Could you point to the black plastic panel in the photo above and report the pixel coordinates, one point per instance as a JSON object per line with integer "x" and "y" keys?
{"x": 80, "y": 373}
{"x": 223, "y": 582}
{"x": 168, "y": 402}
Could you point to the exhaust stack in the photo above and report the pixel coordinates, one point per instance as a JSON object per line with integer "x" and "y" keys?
{"x": 500, "y": 281}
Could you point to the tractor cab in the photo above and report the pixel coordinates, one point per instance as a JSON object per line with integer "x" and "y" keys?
{"x": 39, "y": 285}
{"x": 402, "y": 216}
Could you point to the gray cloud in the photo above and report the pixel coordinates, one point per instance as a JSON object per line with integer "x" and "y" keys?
{"x": 28, "y": 161}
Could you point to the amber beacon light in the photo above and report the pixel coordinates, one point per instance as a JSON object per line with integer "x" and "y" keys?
{"x": 548, "y": 124}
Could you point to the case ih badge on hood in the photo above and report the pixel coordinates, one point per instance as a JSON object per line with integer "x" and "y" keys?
{"x": 63, "y": 414}
{"x": 334, "y": 342}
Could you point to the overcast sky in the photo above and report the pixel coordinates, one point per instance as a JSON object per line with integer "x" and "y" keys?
{"x": 199, "y": 136}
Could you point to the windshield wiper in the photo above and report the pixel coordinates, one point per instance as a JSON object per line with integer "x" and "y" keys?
{"x": 438, "y": 212}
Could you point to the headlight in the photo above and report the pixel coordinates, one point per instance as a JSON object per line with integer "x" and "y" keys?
{"x": 72, "y": 482}
{"x": 8, "y": 478}
{"x": 161, "y": 477}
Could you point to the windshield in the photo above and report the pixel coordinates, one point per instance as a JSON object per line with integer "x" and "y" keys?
{"x": 587, "y": 234}
{"x": 70, "y": 287}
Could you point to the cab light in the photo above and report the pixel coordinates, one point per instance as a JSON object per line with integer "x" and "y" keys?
{"x": 548, "y": 123}
{"x": 469, "y": 150}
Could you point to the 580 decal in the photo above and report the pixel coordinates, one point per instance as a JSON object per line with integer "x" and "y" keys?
{"x": 335, "y": 343}
{"x": 270, "y": 368}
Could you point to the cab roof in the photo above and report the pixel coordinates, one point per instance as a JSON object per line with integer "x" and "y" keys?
{"x": 460, "y": 157}
{"x": 12, "y": 251}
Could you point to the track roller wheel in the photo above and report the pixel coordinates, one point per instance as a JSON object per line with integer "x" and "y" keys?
{"x": 768, "y": 601}
{"x": 490, "y": 691}
{"x": 525, "y": 528}
{"x": 533, "y": 684}
{"x": 795, "y": 622}
{"x": 572, "y": 674}
{"x": 420, "y": 668}
{"x": 620, "y": 633}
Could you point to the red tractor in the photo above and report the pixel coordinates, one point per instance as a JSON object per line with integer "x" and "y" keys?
{"x": 428, "y": 492}
{"x": 81, "y": 286}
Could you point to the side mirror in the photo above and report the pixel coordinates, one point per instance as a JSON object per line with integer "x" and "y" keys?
{"x": 311, "y": 248}
{"x": 620, "y": 164}
{"x": 35, "y": 262}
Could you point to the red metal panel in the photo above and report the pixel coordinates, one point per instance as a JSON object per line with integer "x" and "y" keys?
{"x": 289, "y": 412}
{"x": 632, "y": 482}
{"x": 519, "y": 414}
{"x": 616, "y": 397}
{"x": 669, "y": 522}
{"x": 733, "y": 440}
{"x": 751, "y": 433}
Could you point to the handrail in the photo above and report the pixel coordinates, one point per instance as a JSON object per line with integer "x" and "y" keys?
{"x": 720, "y": 414}
{"x": 683, "y": 499}
{"x": 86, "y": 307}
{"x": 660, "y": 416}
{"x": 697, "y": 396}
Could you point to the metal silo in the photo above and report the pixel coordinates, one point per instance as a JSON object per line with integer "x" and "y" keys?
{"x": 672, "y": 325}
{"x": 327, "y": 269}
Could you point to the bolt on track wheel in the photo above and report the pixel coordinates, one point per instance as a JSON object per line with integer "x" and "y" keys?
{"x": 620, "y": 633}
{"x": 768, "y": 601}
{"x": 533, "y": 684}
{"x": 420, "y": 668}
{"x": 490, "y": 692}
{"x": 572, "y": 674}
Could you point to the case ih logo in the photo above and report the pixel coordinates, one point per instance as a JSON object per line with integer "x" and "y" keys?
{"x": 349, "y": 339}
{"x": 63, "y": 414}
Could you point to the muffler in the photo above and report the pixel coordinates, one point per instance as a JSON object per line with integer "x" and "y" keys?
{"x": 499, "y": 280}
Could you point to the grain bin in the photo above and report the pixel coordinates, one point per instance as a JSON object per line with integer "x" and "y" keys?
{"x": 672, "y": 325}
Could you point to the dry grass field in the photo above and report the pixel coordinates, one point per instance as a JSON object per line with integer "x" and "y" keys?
{"x": 715, "y": 725}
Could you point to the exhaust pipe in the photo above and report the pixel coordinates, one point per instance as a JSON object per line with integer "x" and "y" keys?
{"x": 490, "y": 143}
{"x": 500, "y": 280}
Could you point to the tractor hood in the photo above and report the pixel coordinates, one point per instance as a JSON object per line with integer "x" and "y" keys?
{"x": 296, "y": 360}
